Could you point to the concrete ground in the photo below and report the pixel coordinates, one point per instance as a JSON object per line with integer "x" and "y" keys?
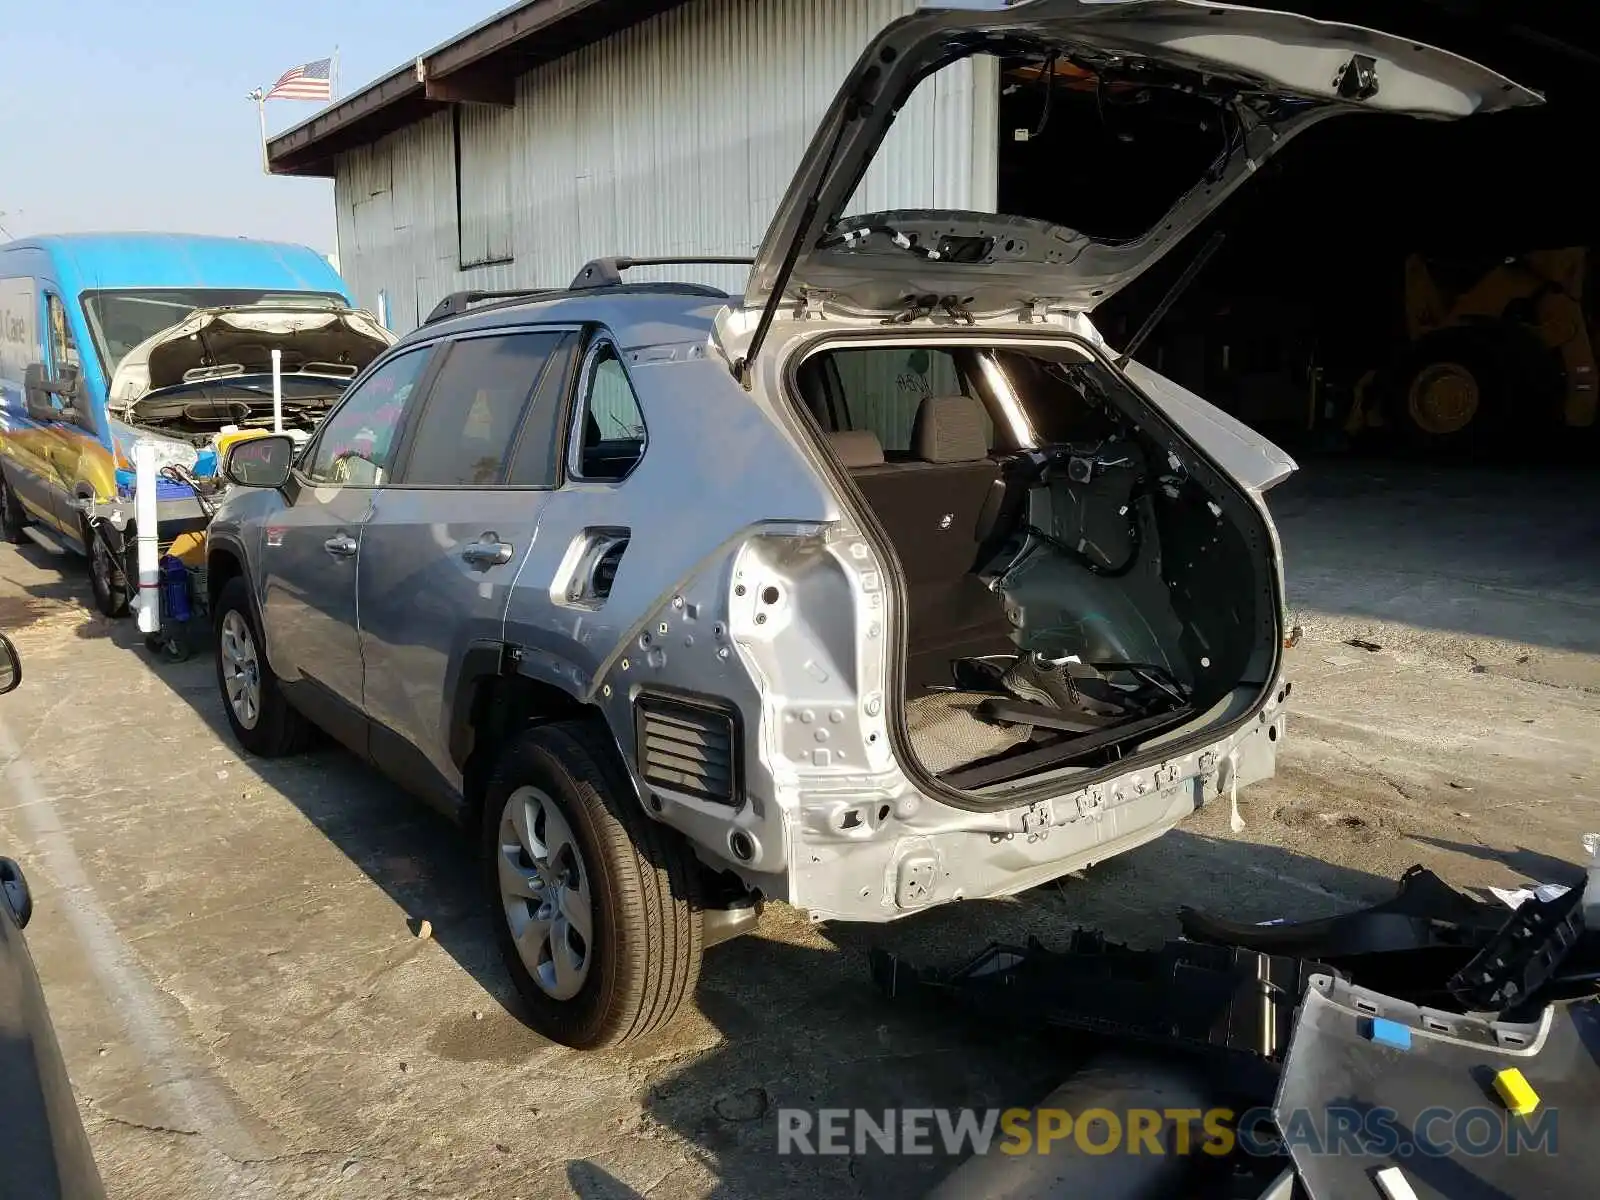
{"x": 227, "y": 944}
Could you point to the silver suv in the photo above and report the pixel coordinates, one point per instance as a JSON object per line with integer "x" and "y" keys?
{"x": 884, "y": 585}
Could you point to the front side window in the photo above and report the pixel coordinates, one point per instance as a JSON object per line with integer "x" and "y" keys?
{"x": 611, "y": 429}
{"x": 356, "y": 445}
{"x": 476, "y": 409}
{"x": 64, "y": 361}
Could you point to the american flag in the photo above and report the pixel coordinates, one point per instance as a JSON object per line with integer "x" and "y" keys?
{"x": 310, "y": 81}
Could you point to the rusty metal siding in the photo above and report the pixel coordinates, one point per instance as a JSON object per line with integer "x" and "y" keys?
{"x": 678, "y": 136}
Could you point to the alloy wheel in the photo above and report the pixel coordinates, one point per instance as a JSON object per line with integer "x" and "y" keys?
{"x": 544, "y": 888}
{"x": 241, "y": 668}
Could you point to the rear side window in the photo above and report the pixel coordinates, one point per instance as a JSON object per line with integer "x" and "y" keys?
{"x": 611, "y": 433}
{"x": 882, "y": 388}
{"x": 477, "y": 408}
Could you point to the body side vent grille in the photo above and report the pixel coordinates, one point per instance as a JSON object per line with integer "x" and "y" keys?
{"x": 689, "y": 746}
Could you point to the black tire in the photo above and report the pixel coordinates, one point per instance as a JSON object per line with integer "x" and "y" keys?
{"x": 1457, "y": 390}
{"x": 12, "y": 515}
{"x": 111, "y": 597}
{"x": 642, "y": 879}
{"x": 278, "y": 729}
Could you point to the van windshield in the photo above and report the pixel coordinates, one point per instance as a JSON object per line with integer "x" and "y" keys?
{"x": 119, "y": 320}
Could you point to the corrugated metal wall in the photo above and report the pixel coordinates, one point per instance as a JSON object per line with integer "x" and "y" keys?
{"x": 677, "y": 136}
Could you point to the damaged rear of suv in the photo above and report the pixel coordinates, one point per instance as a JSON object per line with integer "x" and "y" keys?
{"x": 885, "y": 585}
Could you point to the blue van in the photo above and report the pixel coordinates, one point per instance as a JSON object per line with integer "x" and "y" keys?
{"x": 106, "y": 339}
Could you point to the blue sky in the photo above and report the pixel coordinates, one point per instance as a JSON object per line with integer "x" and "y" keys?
{"x": 134, "y": 116}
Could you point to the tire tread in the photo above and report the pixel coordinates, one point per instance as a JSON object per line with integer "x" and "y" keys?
{"x": 653, "y": 874}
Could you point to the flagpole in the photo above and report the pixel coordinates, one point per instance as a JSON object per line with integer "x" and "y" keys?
{"x": 333, "y": 82}
{"x": 260, "y": 97}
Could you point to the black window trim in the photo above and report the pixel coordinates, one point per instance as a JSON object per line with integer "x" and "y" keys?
{"x": 423, "y": 386}
{"x": 580, "y": 409}
{"x": 402, "y": 462}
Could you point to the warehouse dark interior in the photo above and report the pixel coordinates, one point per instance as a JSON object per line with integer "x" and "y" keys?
{"x": 1304, "y": 306}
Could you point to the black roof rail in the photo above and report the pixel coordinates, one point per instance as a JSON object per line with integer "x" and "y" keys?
{"x": 457, "y": 303}
{"x": 607, "y": 272}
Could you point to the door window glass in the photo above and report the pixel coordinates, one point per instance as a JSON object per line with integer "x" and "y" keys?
{"x": 64, "y": 362}
{"x": 356, "y": 444}
{"x": 475, "y": 409}
{"x": 612, "y": 429}
{"x": 883, "y": 388}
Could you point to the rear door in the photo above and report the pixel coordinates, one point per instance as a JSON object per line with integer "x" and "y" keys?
{"x": 447, "y": 537}
{"x": 68, "y": 440}
{"x": 310, "y": 548}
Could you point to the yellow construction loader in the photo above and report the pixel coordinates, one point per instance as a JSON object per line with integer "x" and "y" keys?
{"x": 1488, "y": 356}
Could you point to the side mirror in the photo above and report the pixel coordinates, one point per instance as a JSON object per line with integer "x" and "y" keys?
{"x": 10, "y": 666}
{"x": 36, "y": 394}
{"x": 14, "y": 887}
{"x": 38, "y": 388}
{"x": 261, "y": 462}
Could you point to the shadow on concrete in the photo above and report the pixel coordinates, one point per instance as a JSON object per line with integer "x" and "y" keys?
{"x": 1505, "y": 552}
{"x": 1532, "y": 864}
{"x": 804, "y": 1028}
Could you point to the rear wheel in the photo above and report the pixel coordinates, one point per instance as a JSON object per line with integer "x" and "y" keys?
{"x": 108, "y": 575}
{"x": 260, "y": 717}
{"x": 12, "y": 515}
{"x": 592, "y": 903}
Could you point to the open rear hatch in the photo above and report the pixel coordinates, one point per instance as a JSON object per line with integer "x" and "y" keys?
{"x": 1085, "y": 566}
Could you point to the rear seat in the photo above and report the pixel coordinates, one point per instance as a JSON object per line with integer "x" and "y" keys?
{"x": 930, "y": 507}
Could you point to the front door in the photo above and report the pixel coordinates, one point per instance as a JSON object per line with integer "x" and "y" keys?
{"x": 447, "y": 537}
{"x": 310, "y": 548}
{"x": 68, "y": 440}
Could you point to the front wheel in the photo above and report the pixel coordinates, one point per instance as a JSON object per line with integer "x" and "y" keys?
{"x": 260, "y": 717}
{"x": 12, "y": 515}
{"x": 593, "y": 904}
{"x": 108, "y": 574}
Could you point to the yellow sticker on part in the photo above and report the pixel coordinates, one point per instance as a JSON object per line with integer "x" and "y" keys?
{"x": 1516, "y": 1092}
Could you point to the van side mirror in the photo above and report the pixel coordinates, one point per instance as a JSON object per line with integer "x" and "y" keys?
{"x": 38, "y": 388}
{"x": 260, "y": 462}
{"x": 10, "y": 666}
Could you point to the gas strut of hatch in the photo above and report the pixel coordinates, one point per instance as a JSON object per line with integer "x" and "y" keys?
{"x": 808, "y": 214}
{"x": 1179, "y": 286}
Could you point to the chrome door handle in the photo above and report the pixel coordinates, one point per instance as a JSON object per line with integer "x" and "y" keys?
{"x": 342, "y": 546}
{"x": 487, "y": 553}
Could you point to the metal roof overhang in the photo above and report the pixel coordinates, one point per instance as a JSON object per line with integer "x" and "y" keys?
{"x": 480, "y": 66}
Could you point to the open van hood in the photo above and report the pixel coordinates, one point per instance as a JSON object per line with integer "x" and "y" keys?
{"x": 318, "y": 339}
{"x": 1274, "y": 73}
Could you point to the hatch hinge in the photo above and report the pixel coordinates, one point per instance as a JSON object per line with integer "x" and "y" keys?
{"x": 1036, "y": 311}
{"x": 1358, "y": 78}
{"x": 813, "y": 305}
